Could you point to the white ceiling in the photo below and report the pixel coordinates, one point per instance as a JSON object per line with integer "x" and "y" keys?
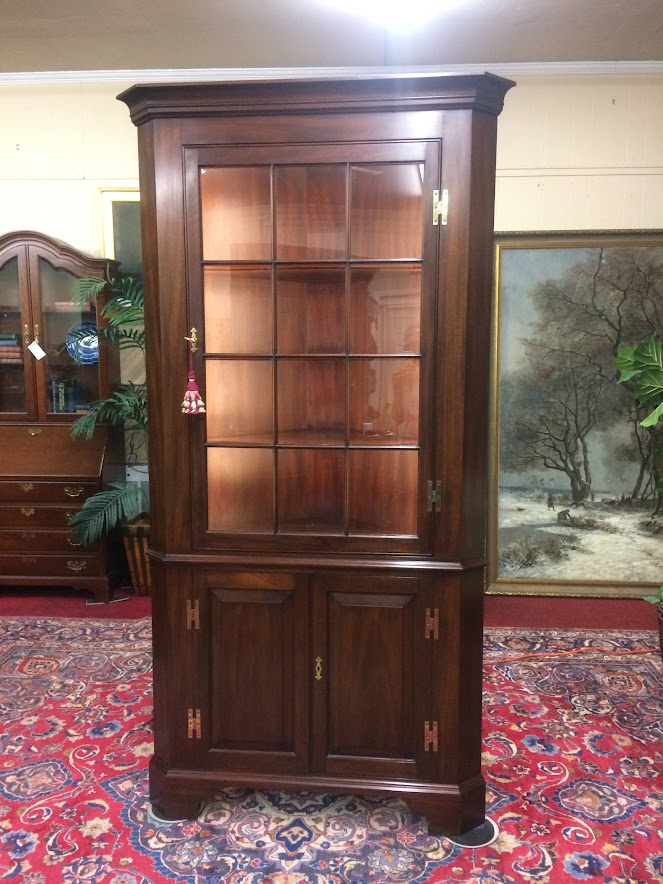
{"x": 104, "y": 35}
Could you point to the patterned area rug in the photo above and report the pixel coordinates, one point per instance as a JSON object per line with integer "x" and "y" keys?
{"x": 573, "y": 733}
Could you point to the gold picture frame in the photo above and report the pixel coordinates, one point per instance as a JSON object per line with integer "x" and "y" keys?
{"x": 122, "y": 242}
{"x": 120, "y": 214}
{"x": 564, "y": 302}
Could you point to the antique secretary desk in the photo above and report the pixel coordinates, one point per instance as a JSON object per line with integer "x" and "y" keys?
{"x": 48, "y": 376}
{"x": 318, "y": 534}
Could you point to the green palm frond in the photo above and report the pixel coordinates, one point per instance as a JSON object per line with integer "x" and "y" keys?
{"x": 87, "y": 289}
{"x": 120, "y": 288}
{"x": 105, "y": 510}
{"x": 123, "y": 311}
{"x": 129, "y": 290}
{"x": 125, "y": 338}
{"x": 125, "y": 407}
{"x": 120, "y": 309}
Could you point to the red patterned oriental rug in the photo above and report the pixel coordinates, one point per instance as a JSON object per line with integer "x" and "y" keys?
{"x": 573, "y": 753}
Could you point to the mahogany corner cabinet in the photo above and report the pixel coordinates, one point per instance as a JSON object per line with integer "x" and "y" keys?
{"x": 318, "y": 533}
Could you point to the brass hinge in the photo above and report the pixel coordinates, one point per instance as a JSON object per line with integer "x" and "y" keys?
{"x": 433, "y": 623}
{"x": 193, "y": 724}
{"x": 430, "y": 736}
{"x": 192, "y": 614}
{"x": 434, "y": 496}
{"x": 440, "y": 207}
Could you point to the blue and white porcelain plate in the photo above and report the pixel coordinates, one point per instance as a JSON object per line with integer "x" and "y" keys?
{"x": 83, "y": 348}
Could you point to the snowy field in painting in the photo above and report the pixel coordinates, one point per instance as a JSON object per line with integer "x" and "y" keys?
{"x": 621, "y": 551}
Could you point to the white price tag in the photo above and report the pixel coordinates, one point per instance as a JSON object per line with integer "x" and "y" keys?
{"x": 36, "y": 350}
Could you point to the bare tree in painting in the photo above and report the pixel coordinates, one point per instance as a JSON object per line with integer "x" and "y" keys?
{"x": 568, "y": 389}
{"x": 551, "y": 415}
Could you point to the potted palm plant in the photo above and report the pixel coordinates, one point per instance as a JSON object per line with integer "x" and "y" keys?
{"x": 121, "y": 504}
{"x": 641, "y": 367}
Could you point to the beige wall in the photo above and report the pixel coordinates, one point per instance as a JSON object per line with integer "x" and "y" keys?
{"x": 574, "y": 152}
{"x": 581, "y": 153}
{"x": 60, "y": 146}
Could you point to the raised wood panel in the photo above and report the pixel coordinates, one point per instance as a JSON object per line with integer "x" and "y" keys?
{"x": 370, "y": 675}
{"x": 253, "y": 648}
{"x": 257, "y": 647}
{"x": 368, "y": 711}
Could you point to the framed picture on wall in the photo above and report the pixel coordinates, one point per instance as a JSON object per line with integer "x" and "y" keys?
{"x": 122, "y": 241}
{"x": 121, "y": 229}
{"x": 574, "y": 481}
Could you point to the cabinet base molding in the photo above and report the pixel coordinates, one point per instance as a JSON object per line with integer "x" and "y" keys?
{"x": 450, "y": 809}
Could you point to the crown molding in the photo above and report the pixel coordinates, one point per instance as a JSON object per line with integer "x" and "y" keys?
{"x": 173, "y": 75}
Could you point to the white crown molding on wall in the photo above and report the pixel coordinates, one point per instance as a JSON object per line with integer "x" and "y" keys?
{"x": 535, "y": 69}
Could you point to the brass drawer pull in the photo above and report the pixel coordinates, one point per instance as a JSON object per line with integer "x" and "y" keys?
{"x": 73, "y": 490}
{"x": 27, "y": 486}
{"x": 35, "y": 431}
{"x": 28, "y": 535}
{"x": 73, "y": 542}
{"x": 27, "y": 511}
{"x": 76, "y": 566}
{"x": 29, "y": 560}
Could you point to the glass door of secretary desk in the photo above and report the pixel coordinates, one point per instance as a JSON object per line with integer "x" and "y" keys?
{"x": 317, "y": 271}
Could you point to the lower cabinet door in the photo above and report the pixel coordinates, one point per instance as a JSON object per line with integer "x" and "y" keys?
{"x": 372, "y": 676}
{"x": 257, "y": 667}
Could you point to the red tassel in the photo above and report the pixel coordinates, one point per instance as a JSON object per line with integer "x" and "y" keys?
{"x": 193, "y": 403}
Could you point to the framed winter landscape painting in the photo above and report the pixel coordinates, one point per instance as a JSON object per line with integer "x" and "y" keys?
{"x": 575, "y": 507}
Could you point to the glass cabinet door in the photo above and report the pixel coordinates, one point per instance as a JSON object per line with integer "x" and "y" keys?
{"x": 50, "y": 365}
{"x": 69, "y": 338}
{"x": 13, "y": 394}
{"x": 313, "y": 294}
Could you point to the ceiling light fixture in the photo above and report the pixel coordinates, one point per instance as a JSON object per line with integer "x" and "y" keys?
{"x": 395, "y": 15}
